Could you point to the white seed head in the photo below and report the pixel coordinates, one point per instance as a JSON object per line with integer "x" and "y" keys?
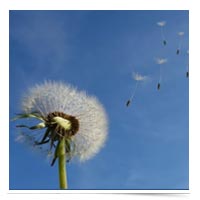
{"x": 56, "y": 96}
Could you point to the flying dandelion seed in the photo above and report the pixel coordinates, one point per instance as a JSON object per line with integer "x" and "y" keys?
{"x": 137, "y": 77}
{"x": 161, "y": 24}
{"x": 180, "y": 34}
{"x": 133, "y": 95}
{"x": 75, "y": 124}
{"x": 160, "y": 61}
{"x": 187, "y": 67}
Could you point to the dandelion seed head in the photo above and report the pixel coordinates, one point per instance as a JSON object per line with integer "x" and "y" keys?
{"x": 52, "y": 97}
{"x": 161, "y": 23}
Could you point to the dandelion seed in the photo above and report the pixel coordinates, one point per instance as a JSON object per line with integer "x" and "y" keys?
{"x": 137, "y": 77}
{"x": 128, "y": 103}
{"x": 75, "y": 124}
{"x": 180, "y": 34}
{"x": 187, "y": 67}
{"x": 158, "y": 86}
{"x": 160, "y": 62}
{"x": 161, "y": 24}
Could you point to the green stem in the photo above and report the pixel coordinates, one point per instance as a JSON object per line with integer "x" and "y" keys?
{"x": 62, "y": 164}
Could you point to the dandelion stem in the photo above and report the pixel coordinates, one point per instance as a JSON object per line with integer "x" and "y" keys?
{"x": 62, "y": 164}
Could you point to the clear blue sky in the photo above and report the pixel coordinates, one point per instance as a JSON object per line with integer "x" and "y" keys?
{"x": 97, "y": 51}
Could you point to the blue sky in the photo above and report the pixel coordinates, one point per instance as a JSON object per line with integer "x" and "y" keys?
{"x": 97, "y": 51}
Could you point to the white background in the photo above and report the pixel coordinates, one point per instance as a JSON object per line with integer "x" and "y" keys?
{"x": 194, "y": 91}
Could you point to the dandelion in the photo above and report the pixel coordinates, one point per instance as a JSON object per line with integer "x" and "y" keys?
{"x": 180, "y": 34}
{"x": 75, "y": 124}
{"x": 161, "y": 24}
{"x": 160, "y": 61}
{"x": 137, "y": 77}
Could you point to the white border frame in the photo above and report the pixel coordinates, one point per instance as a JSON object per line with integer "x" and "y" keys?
{"x": 94, "y": 5}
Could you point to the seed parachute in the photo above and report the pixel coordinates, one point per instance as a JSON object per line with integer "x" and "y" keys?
{"x": 180, "y": 34}
{"x": 138, "y": 78}
{"x": 160, "y": 61}
{"x": 161, "y": 24}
